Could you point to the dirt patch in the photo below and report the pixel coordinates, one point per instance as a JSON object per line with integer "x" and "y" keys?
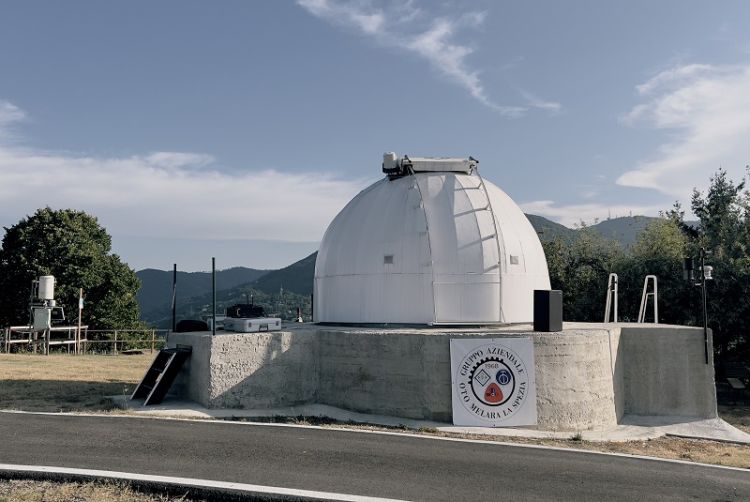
{"x": 693, "y": 450}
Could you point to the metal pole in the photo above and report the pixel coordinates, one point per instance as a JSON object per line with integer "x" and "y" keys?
{"x": 174, "y": 297}
{"x": 213, "y": 292}
{"x": 80, "y": 313}
{"x": 705, "y": 308}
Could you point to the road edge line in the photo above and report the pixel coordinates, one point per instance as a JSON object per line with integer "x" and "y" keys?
{"x": 157, "y": 483}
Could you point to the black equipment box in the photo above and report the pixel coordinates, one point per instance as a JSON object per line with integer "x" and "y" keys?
{"x": 190, "y": 326}
{"x": 245, "y": 311}
{"x": 548, "y": 310}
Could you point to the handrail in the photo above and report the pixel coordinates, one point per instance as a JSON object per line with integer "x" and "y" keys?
{"x": 611, "y": 292}
{"x": 644, "y": 300}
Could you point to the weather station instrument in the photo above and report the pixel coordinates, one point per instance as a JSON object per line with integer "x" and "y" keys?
{"x": 42, "y": 305}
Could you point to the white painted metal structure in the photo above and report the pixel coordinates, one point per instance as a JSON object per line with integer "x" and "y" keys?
{"x": 434, "y": 244}
{"x": 46, "y": 287}
{"x": 251, "y": 325}
{"x": 611, "y": 298}
{"x": 653, "y": 294}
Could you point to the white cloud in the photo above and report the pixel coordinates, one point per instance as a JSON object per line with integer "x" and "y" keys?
{"x": 679, "y": 74}
{"x": 396, "y": 25}
{"x": 707, "y": 110}
{"x": 570, "y": 215}
{"x": 449, "y": 58}
{"x": 168, "y": 194}
{"x": 178, "y": 159}
{"x": 537, "y": 102}
{"x": 369, "y": 23}
{"x": 9, "y": 115}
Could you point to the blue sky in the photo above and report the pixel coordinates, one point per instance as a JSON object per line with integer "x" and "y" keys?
{"x": 239, "y": 128}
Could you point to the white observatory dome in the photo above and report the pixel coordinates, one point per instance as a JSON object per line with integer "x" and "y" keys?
{"x": 432, "y": 243}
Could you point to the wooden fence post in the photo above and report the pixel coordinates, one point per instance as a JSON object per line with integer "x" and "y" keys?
{"x": 153, "y": 339}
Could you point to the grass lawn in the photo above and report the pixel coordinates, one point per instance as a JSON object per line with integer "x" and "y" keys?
{"x": 65, "y": 382}
{"x": 45, "y": 491}
{"x": 79, "y": 383}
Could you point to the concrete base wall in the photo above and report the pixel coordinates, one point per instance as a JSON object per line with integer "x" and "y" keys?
{"x": 665, "y": 372}
{"x": 249, "y": 370}
{"x": 574, "y": 379}
{"x": 587, "y": 376}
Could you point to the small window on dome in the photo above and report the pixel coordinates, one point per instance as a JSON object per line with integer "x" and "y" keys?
{"x": 388, "y": 259}
{"x": 513, "y": 259}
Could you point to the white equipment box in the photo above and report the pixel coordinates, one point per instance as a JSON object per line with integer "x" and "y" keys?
{"x": 252, "y": 325}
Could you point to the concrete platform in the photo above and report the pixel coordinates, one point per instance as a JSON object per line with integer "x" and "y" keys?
{"x": 633, "y": 428}
{"x": 588, "y": 377}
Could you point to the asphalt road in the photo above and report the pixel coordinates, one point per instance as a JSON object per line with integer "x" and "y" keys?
{"x": 353, "y": 462}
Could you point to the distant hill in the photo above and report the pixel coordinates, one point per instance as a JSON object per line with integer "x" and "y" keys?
{"x": 233, "y": 285}
{"x": 236, "y": 284}
{"x": 266, "y": 293}
{"x": 549, "y": 230}
{"x": 156, "y": 286}
{"x": 624, "y": 230}
{"x": 296, "y": 278}
{"x": 276, "y": 304}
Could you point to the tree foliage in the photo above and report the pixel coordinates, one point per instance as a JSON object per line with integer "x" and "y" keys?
{"x": 581, "y": 268}
{"x": 659, "y": 250}
{"x": 724, "y": 231}
{"x": 72, "y": 246}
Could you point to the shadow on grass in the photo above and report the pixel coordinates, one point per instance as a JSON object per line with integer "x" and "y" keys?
{"x": 54, "y": 395}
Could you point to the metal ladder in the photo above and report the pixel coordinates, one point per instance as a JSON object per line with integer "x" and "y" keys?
{"x": 160, "y": 376}
{"x": 498, "y": 236}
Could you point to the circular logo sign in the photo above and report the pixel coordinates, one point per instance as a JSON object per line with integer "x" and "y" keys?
{"x": 492, "y": 382}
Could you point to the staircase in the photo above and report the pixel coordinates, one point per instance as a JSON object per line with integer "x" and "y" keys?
{"x": 160, "y": 376}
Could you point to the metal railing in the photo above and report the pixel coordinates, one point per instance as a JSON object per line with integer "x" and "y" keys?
{"x": 85, "y": 341}
{"x": 653, "y": 294}
{"x": 611, "y": 298}
{"x": 118, "y": 340}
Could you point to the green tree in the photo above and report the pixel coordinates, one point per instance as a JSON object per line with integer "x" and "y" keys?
{"x": 580, "y": 269}
{"x": 659, "y": 250}
{"x": 72, "y": 246}
{"x": 724, "y": 231}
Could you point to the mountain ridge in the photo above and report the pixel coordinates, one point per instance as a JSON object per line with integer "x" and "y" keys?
{"x": 296, "y": 280}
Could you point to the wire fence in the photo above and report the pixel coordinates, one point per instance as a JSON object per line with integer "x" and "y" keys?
{"x": 114, "y": 341}
{"x": 81, "y": 341}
